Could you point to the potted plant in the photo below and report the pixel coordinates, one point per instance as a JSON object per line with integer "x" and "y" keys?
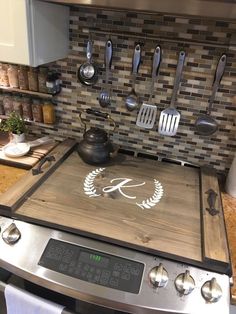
{"x": 15, "y": 125}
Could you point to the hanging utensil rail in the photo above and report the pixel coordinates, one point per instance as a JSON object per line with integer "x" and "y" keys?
{"x": 230, "y": 45}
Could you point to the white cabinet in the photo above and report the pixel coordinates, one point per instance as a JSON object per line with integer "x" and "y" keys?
{"x": 33, "y": 32}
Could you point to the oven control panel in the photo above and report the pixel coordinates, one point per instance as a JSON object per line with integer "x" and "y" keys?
{"x": 92, "y": 266}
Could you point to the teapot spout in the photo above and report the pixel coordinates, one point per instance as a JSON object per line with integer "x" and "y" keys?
{"x": 114, "y": 151}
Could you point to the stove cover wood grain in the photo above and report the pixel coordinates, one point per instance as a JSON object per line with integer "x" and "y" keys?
{"x": 172, "y": 226}
{"x": 104, "y": 203}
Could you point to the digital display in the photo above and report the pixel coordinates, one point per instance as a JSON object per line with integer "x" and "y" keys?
{"x": 92, "y": 266}
{"x": 93, "y": 259}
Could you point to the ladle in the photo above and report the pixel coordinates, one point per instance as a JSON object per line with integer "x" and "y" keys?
{"x": 132, "y": 100}
{"x": 205, "y": 124}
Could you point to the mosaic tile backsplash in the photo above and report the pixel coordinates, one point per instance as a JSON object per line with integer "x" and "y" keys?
{"x": 203, "y": 40}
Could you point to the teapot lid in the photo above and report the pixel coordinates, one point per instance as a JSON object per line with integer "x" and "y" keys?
{"x": 95, "y": 135}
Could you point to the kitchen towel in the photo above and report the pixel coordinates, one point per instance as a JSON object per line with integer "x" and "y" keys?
{"x": 19, "y": 301}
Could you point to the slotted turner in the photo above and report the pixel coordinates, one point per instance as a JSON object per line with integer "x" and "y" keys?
{"x": 147, "y": 113}
{"x": 169, "y": 118}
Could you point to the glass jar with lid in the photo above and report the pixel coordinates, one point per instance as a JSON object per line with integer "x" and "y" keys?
{"x": 33, "y": 79}
{"x": 3, "y": 75}
{"x": 48, "y": 113}
{"x": 37, "y": 111}
{"x": 8, "y": 104}
{"x": 27, "y": 108}
{"x": 2, "y": 112}
{"x": 42, "y": 78}
{"x": 12, "y": 73}
{"x": 17, "y": 106}
{"x": 23, "y": 77}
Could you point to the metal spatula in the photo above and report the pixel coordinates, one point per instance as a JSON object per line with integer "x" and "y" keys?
{"x": 147, "y": 113}
{"x": 169, "y": 118}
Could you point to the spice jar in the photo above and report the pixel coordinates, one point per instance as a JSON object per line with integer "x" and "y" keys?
{"x": 12, "y": 73}
{"x": 42, "y": 78}
{"x": 48, "y": 113}
{"x": 17, "y": 106}
{"x": 37, "y": 111}
{"x": 3, "y": 76}
{"x": 8, "y": 105}
{"x": 27, "y": 108}
{"x": 33, "y": 79}
{"x": 23, "y": 78}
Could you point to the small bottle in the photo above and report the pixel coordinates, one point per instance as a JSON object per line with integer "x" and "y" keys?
{"x": 12, "y": 73}
{"x": 33, "y": 79}
{"x": 48, "y": 113}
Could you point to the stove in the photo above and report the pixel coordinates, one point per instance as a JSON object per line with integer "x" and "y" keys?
{"x": 136, "y": 235}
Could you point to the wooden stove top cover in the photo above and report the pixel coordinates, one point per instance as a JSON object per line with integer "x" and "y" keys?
{"x": 156, "y": 209}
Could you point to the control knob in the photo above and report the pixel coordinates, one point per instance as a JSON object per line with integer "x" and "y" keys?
{"x": 184, "y": 283}
{"x": 11, "y": 234}
{"x": 158, "y": 276}
{"x": 211, "y": 291}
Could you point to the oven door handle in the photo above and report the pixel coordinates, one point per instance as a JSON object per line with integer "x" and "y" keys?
{"x": 3, "y": 287}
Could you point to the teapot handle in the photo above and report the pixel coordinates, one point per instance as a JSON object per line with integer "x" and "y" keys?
{"x": 98, "y": 114}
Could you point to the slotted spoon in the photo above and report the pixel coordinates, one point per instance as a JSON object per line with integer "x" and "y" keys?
{"x": 105, "y": 95}
{"x": 147, "y": 113}
{"x": 132, "y": 99}
{"x": 169, "y": 118}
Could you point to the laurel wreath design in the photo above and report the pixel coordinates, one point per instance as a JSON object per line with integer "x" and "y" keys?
{"x": 89, "y": 188}
{"x": 152, "y": 201}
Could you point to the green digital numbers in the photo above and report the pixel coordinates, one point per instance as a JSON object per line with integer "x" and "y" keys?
{"x": 95, "y": 258}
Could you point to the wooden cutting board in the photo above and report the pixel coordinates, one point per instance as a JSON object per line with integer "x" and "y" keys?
{"x": 30, "y": 159}
{"x": 142, "y": 204}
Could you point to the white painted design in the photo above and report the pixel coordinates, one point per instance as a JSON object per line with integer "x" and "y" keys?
{"x": 152, "y": 201}
{"x": 89, "y": 188}
{"x": 120, "y": 186}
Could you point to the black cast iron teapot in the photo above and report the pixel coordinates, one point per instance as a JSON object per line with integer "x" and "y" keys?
{"x": 96, "y": 147}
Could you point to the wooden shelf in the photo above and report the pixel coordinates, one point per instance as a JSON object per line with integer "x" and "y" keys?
{"x": 29, "y": 92}
{"x": 45, "y": 125}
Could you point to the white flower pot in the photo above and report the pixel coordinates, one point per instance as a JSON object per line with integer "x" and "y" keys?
{"x": 17, "y": 138}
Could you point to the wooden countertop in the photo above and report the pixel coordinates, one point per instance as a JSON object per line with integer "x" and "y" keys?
{"x": 10, "y": 175}
{"x": 229, "y": 205}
